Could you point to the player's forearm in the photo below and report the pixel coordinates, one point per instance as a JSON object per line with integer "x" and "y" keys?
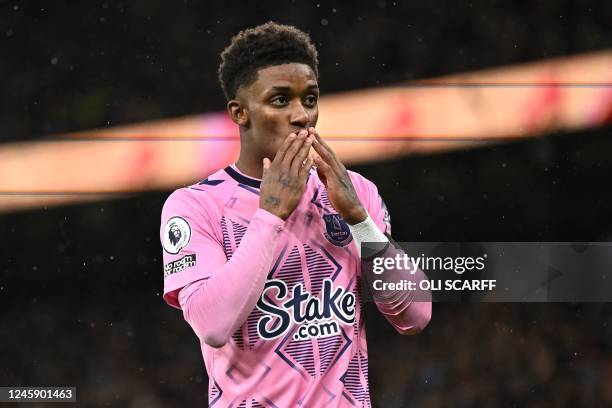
{"x": 218, "y": 306}
{"x": 409, "y": 311}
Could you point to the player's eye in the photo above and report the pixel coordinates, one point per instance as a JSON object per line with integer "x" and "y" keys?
{"x": 279, "y": 100}
{"x": 310, "y": 100}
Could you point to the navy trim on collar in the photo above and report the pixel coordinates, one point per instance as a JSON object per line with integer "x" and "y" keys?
{"x": 242, "y": 179}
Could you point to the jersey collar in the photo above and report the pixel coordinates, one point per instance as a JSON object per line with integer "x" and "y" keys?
{"x": 241, "y": 178}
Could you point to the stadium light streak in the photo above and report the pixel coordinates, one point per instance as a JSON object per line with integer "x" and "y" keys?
{"x": 420, "y": 117}
{"x": 336, "y": 138}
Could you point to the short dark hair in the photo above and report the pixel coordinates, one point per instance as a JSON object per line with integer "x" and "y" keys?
{"x": 260, "y": 47}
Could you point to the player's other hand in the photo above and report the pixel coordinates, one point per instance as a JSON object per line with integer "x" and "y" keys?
{"x": 284, "y": 178}
{"x": 340, "y": 189}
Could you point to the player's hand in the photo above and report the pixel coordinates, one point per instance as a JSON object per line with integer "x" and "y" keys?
{"x": 284, "y": 179}
{"x": 340, "y": 189}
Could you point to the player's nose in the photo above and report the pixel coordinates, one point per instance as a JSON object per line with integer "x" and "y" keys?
{"x": 299, "y": 116}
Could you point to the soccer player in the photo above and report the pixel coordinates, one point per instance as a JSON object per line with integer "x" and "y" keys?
{"x": 262, "y": 257}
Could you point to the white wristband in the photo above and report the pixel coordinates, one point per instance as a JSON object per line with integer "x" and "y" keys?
{"x": 366, "y": 231}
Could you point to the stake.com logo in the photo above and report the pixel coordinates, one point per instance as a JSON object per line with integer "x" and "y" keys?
{"x": 316, "y": 317}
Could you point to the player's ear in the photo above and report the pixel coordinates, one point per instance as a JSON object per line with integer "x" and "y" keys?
{"x": 237, "y": 112}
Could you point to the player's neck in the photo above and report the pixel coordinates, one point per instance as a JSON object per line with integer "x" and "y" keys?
{"x": 250, "y": 166}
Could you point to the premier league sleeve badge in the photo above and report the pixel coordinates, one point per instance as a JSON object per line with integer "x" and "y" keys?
{"x": 176, "y": 235}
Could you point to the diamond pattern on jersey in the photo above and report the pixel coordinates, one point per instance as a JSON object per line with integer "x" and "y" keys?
{"x": 301, "y": 352}
{"x": 215, "y": 394}
{"x": 298, "y": 354}
{"x": 238, "y": 338}
{"x": 318, "y": 269}
{"x": 328, "y": 347}
{"x": 251, "y": 323}
{"x": 325, "y": 200}
{"x": 321, "y": 200}
{"x": 359, "y": 323}
{"x": 239, "y": 231}
{"x": 291, "y": 271}
{"x": 352, "y": 379}
{"x": 227, "y": 246}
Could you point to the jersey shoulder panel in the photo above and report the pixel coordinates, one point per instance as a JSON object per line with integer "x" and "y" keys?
{"x": 214, "y": 190}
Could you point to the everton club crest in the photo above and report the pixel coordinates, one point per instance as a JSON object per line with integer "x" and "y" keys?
{"x": 336, "y": 230}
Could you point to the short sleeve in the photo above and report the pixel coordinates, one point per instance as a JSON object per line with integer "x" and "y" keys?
{"x": 371, "y": 199}
{"x": 191, "y": 245}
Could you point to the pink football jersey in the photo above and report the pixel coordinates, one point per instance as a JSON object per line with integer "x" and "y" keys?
{"x": 304, "y": 344}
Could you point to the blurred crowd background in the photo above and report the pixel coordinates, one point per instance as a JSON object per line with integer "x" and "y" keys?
{"x": 80, "y": 285}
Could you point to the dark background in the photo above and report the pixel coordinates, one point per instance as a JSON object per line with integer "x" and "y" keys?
{"x": 80, "y": 286}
